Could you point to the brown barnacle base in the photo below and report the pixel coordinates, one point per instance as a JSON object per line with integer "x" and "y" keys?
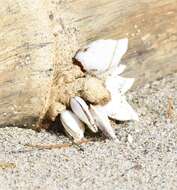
{"x": 91, "y": 89}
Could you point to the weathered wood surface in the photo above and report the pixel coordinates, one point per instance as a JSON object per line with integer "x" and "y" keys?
{"x": 27, "y": 46}
{"x": 151, "y": 27}
{"x": 25, "y": 61}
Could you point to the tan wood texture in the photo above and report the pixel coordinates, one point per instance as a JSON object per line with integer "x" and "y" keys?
{"x": 25, "y": 61}
{"x": 150, "y": 25}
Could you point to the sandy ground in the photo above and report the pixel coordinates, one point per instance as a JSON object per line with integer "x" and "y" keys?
{"x": 145, "y": 157}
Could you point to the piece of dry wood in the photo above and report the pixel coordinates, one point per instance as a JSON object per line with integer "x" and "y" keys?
{"x": 38, "y": 38}
{"x": 25, "y": 61}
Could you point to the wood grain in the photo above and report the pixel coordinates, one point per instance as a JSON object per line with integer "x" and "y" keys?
{"x": 151, "y": 27}
{"x": 25, "y": 61}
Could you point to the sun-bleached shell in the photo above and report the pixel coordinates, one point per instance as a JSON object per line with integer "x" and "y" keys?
{"x": 118, "y": 84}
{"x": 103, "y": 122}
{"x": 113, "y": 72}
{"x": 101, "y": 55}
{"x": 73, "y": 126}
{"x": 117, "y": 70}
{"x": 119, "y": 51}
{"x": 119, "y": 109}
{"x": 81, "y": 109}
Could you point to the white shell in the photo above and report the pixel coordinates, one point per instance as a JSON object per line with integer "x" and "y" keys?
{"x": 120, "y": 50}
{"x": 81, "y": 109}
{"x": 101, "y": 55}
{"x": 102, "y": 122}
{"x": 118, "y": 70}
{"x": 117, "y": 84}
{"x": 113, "y": 72}
{"x": 73, "y": 126}
{"x": 119, "y": 109}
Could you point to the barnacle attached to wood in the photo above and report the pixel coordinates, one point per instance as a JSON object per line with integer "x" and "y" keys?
{"x": 100, "y": 93}
{"x": 73, "y": 126}
{"x": 81, "y": 109}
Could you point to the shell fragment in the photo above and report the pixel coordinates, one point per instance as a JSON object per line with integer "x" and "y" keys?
{"x": 81, "y": 109}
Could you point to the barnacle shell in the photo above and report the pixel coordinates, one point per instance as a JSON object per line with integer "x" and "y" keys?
{"x": 101, "y": 55}
{"x": 73, "y": 126}
{"x": 81, "y": 109}
{"x": 119, "y": 109}
{"x": 102, "y": 121}
{"x": 114, "y": 71}
{"x": 117, "y": 84}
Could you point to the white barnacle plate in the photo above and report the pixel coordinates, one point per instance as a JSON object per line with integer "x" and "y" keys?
{"x": 73, "y": 126}
{"x": 117, "y": 70}
{"x": 102, "y": 122}
{"x": 119, "y": 109}
{"x": 118, "y": 84}
{"x": 101, "y": 55}
{"x": 81, "y": 109}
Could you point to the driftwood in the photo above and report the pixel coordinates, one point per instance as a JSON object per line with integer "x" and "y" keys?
{"x": 25, "y": 61}
{"x": 38, "y": 39}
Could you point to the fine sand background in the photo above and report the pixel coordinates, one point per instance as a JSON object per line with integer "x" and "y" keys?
{"x": 145, "y": 157}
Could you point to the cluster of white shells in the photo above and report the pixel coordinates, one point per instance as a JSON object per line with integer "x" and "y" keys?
{"x": 101, "y": 59}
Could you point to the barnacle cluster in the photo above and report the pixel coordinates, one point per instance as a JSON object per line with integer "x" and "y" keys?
{"x": 100, "y": 60}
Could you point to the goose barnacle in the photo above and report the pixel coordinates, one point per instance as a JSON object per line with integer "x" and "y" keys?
{"x": 101, "y": 59}
{"x": 102, "y": 121}
{"x": 81, "y": 109}
{"x": 101, "y": 55}
{"x": 73, "y": 126}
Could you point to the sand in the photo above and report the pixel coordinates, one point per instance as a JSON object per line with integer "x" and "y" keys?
{"x": 144, "y": 158}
